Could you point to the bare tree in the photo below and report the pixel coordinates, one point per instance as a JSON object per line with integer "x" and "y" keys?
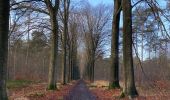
{"x": 53, "y": 11}
{"x": 93, "y": 26}
{"x": 129, "y": 88}
{"x": 73, "y": 45}
{"x": 65, "y": 34}
{"x": 114, "y": 78}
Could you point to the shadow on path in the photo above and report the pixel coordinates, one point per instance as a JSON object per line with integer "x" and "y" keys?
{"x": 80, "y": 92}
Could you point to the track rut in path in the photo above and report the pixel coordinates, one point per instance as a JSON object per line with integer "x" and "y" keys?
{"x": 80, "y": 92}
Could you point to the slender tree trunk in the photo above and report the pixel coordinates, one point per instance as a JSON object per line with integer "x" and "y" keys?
{"x": 129, "y": 88}
{"x": 43, "y": 71}
{"x": 142, "y": 46}
{"x": 149, "y": 52}
{"x": 4, "y": 31}
{"x": 89, "y": 66}
{"x": 69, "y": 67}
{"x": 72, "y": 67}
{"x": 28, "y": 44}
{"x": 74, "y": 57}
{"x": 92, "y": 68}
{"x": 14, "y": 60}
{"x": 114, "y": 78}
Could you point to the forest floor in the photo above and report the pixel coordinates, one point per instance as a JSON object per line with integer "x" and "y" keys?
{"x": 80, "y": 90}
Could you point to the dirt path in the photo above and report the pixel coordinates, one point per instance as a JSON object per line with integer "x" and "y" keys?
{"x": 80, "y": 92}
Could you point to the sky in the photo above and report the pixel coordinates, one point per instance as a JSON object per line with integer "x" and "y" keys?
{"x": 95, "y": 2}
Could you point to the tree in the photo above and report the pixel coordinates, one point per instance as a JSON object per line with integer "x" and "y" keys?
{"x": 95, "y": 21}
{"x": 114, "y": 78}
{"x": 53, "y": 11}
{"x": 4, "y": 31}
{"x": 38, "y": 41}
{"x": 129, "y": 88}
{"x": 66, "y": 15}
{"x": 72, "y": 47}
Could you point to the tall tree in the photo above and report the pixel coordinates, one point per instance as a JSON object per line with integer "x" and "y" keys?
{"x": 66, "y": 15}
{"x": 4, "y": 31}
{"x": 53, "y": 11}
{"x": 95, "y": 21}
{"x": 129, "y": 88}
{"x": 72, "y": 45}
{"x": 114, "y": 78}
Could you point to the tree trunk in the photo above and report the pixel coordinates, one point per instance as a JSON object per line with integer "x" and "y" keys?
{"x": 53, "y": 11}
{"x": 4, "y": 31}
{"x": 69, "y": 66}
{"x": 54, "y": 53}
{"x": 114, "y": 78}
{"x": 92, "y": 68}
{"x": 71, "y": 63}
{"x": 66, "y": 10}
{"x": 129, "y": 88}
{"x": 28, "y": 44}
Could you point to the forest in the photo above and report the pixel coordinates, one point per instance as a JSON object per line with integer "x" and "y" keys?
{"x": 84, "y": 50}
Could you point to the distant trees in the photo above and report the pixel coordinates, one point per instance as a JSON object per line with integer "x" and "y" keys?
{"x": 73, "y": 39}
{"x": 38, "y": 41}
{"x": 41, "y": 12}
{"x": 43, "y": 8}
{"x": 4, "y": 32}
{"x": 150, "y": 28}
{"x": 95, "y": 20}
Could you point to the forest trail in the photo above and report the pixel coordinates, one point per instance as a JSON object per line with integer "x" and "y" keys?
{"x": 80, "y": 92}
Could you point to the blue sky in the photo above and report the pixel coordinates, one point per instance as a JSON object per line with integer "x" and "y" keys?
{"x": 95, "y": 2}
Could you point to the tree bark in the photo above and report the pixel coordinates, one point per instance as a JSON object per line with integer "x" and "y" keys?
{"x": 114, "y": 78}
{"x": 54, "y": 54}
{"x": 4, "y": 31}
{"x": 129, "y": 88}
{"x": 53, "y": 11}
{"x": 66, "y": 14}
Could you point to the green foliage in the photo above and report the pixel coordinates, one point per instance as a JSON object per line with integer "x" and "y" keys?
{"x": 18, "y": 83}
{"x": 38, "y": 42}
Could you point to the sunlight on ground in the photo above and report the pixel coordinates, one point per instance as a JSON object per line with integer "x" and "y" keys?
{"x": 101, "y": 83}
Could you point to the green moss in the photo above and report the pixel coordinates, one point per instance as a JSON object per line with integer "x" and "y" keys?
{"x": 18, "y": 83}
{"x": 130, "y": 95}
{"x": 36, "y": 94}
{"x": 52, "y": 87}
{"x": 114, "y": 85}
{"x": 122, "y": 95}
